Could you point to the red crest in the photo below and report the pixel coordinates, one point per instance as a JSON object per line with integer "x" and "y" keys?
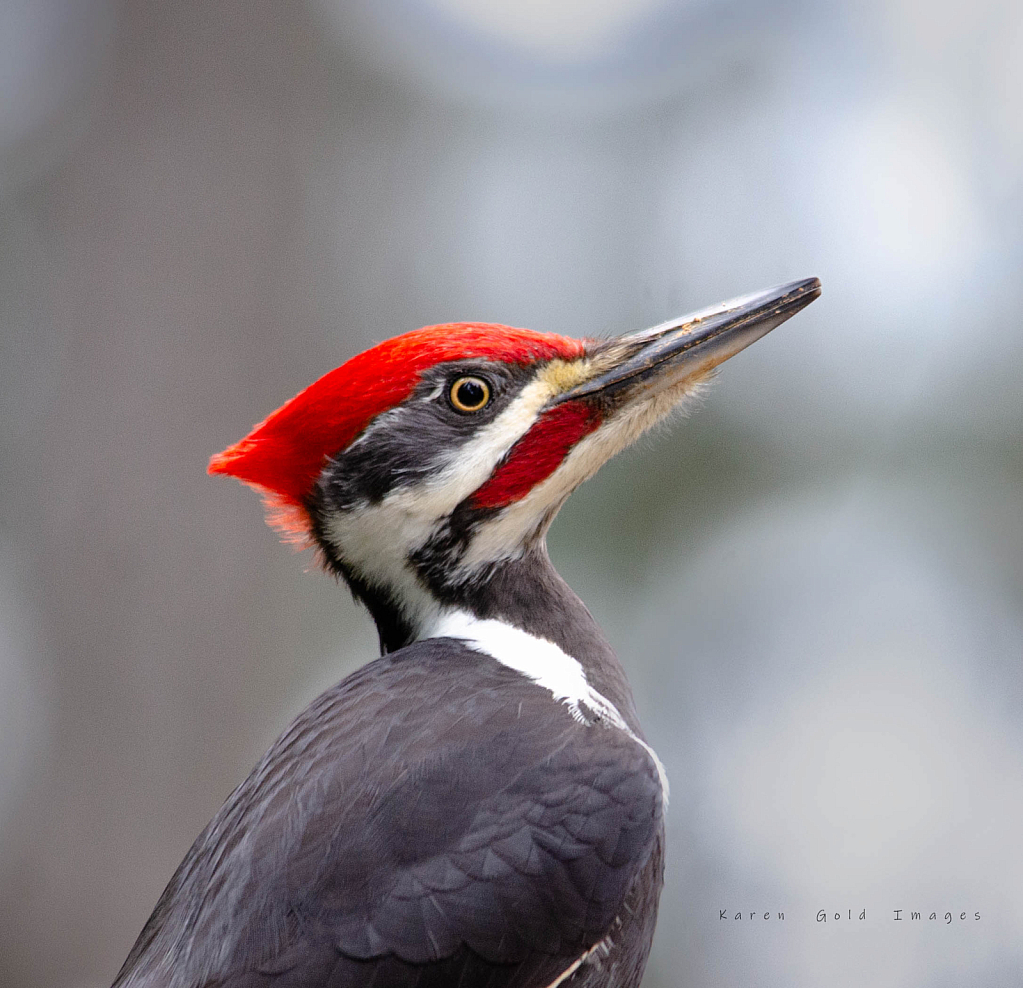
{"x": 283, "y": 455}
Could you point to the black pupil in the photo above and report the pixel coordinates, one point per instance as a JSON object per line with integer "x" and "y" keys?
{"x": 471, "y": 394}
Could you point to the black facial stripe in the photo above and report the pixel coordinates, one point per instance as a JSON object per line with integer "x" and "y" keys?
{"x": 403, "y": 446}
{"x": 436, "y": 562}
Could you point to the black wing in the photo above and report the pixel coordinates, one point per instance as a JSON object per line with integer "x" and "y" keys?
{"x": 436, "y": 818}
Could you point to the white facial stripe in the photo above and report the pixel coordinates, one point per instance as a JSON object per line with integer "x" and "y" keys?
{"x": 377, "y": 539}
{"x": 541, "y": 661}
{"x": 469, "y": 465}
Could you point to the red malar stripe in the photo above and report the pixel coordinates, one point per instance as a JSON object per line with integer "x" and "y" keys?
{"x": 537, "y": 454}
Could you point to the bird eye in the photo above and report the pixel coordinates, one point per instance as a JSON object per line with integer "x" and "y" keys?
{"x": 469, "y": 394}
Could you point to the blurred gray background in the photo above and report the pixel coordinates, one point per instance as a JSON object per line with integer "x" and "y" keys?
{"x": 815, "y": 582}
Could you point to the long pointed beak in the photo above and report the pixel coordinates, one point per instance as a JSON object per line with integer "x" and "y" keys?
{"x": 691, "y": 346}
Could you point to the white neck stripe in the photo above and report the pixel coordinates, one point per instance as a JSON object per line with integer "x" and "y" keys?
{"x": 544, "y": 663}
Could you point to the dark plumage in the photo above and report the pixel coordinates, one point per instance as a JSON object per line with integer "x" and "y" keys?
{"x": 434, "y": 817}
{"x": 478, "y": 808}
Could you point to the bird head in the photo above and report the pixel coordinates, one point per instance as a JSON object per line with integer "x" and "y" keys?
{"x": 423, "y": 465}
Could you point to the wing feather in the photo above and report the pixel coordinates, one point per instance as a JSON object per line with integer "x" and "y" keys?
{"x": 434, "y": 819}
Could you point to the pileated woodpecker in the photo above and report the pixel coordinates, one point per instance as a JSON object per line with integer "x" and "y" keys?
{"x": 478, "y": 806}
